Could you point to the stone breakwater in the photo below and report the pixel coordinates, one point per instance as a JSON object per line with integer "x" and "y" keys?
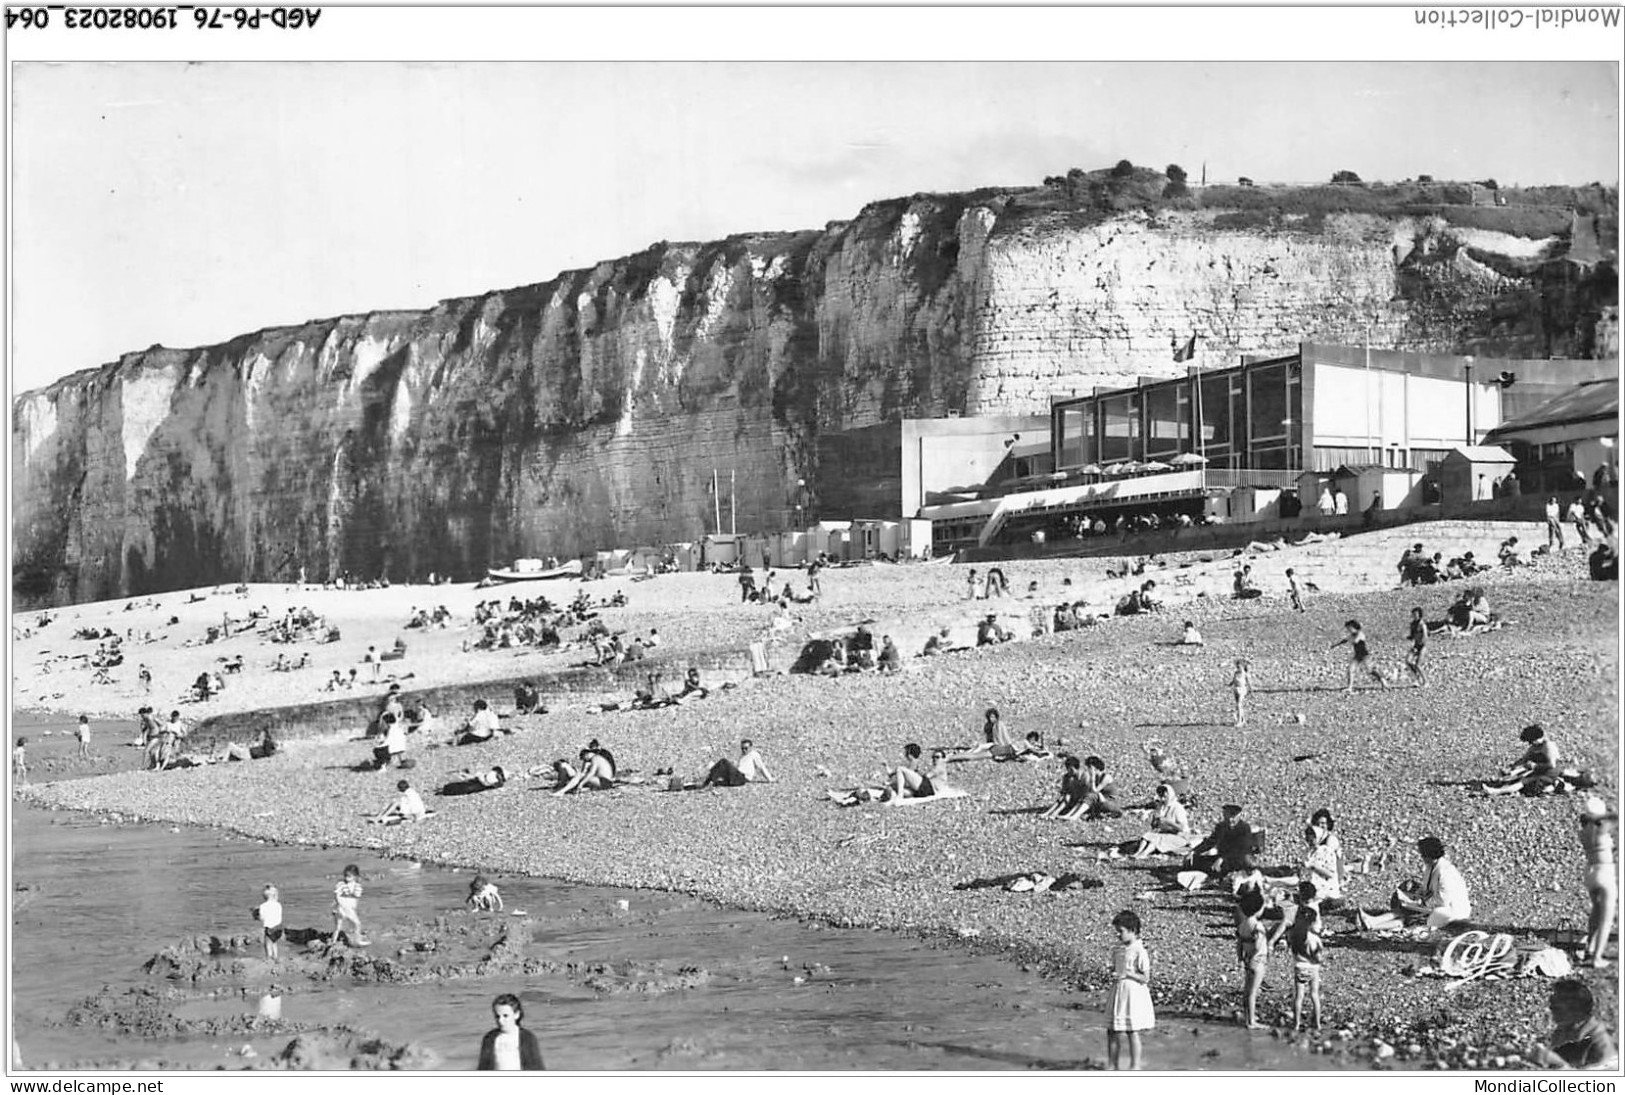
{"x": 588, "y": 411}
{"x": 1391, "y": 765}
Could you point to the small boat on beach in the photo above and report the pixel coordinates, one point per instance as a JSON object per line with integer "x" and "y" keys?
{"x": 532, "y": 570}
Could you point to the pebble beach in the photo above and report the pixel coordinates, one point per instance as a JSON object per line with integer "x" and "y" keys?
{"x": 1392, "y": 765}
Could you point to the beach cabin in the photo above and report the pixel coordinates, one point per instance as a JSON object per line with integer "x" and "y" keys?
{"x": 720, "y": 550}
{"x": 1462, "y": 467}
{"x": 789, "y": 548}
{"x": 872, "y": 536}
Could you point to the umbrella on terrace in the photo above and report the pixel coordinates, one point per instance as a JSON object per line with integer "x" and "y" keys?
{"x": 1156, "y": 465}
{"x": 1189, "y": 458}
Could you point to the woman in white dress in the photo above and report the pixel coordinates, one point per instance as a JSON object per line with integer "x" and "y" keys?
{"x": 1170, "y": 832}
{"x": 1128, "y": 1008}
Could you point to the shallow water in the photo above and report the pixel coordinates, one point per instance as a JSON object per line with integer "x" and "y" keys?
{"x": 95, "y": 900}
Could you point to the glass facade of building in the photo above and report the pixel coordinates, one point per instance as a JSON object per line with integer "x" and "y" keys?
{"x": 1249, "y": 417}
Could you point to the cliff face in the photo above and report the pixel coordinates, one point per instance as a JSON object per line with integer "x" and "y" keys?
{"x": 588, "y": 411}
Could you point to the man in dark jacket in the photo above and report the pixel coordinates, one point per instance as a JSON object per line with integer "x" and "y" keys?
{"x": 1228, "y": 848}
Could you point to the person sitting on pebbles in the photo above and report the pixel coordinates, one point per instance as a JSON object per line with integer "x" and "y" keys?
{"x": 1535, "y": 773}
{"x": 594, "y": 774}
{"x": 481, "y": 727}
{"x": 989, "y": 633}
{"x": 905, "y": 781}
{"x": 692, "y": 688}
{"x": 1100, "y": 800}
{"x": 1579, "y": 1039}
{"x": 527, "y": 700}
{"x": 1229, "y": 847}
{"x": 936, "y": 644}
{"x": 1074, "y": 786}
{"x": 749, "y": 768}
{"x": 1438, "y": 902}
{"x": 408, "y": 806}
{"x": 1170, "y": 832}
{"x": 995, "y": 741}
{"x": 891, "y": 659}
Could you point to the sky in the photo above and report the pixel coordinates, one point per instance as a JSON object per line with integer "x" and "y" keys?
{"x": 185, "y": 204}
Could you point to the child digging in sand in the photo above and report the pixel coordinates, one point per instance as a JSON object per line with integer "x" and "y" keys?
{"x": 483, "y": 895}
{"x": 269, "y": 914}
{"x": 1129, "y": 1006}
{"x": 346, "y": 908}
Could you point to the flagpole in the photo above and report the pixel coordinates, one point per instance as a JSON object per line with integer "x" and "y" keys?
{"x": 733, "y": 507}
{"x": 716, "y": 500}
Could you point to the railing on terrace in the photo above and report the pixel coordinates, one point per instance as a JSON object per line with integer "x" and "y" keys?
{"x": 1249, "y": 477}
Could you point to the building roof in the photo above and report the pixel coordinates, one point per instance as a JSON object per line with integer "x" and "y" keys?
{"x": 1589, "y": 402}
{"x": 1481, "y": 454}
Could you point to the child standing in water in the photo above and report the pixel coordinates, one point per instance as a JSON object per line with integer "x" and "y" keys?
{"x": 1355, "y": 638}
{"x": 1129, "y": 1006}
{"x": 84, "y": 737}
{"x": 1419, "y": 642}
{"x": 1240, "y": 685}
{"x": 346, "y": 907}
{"x": 19, "y": 763}
{"x": 269, "y": 914}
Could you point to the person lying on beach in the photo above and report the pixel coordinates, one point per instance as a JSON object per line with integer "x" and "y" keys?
{"x": 408, "y": 806}
{"x": 1534, "y": 773}
{"x": 481, "y": 726}
{"x": 1170, "y": 832}
{"x": 1438, "y": 902}
{"x": 1032, "y": 749}
{"x": 905, "y": 782}
{"x": 1074, "y": 785}
{"x": 594, "y": 774}
{"x": 489, "y": 780}
{"x": 483, "y": 895}
{"x": 749, "y": 768}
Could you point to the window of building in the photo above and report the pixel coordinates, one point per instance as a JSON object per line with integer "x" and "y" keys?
{"x": 1167, "y": 428}
{"x": 1214, "y": 394}
{"x": 1077, "y": 431}
{"x": 1120, "y": 428}
{"x": 1268, "y": 409}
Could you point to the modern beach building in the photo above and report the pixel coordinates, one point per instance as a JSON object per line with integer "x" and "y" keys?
{"x": 1226, "y": 443}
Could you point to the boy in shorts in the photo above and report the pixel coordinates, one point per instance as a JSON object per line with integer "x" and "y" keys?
{"x": 1303, "y": 940}
{"x": 269, "y": 914}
